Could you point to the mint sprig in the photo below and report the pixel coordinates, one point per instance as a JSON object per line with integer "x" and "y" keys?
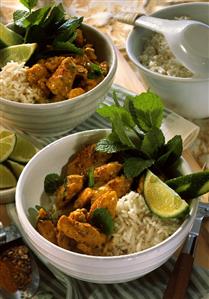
{"x": 136, "y": 132}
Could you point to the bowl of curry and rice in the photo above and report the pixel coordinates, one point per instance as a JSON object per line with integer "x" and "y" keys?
{"x": 80, "y": 239}
{"x": 49, "y": 85}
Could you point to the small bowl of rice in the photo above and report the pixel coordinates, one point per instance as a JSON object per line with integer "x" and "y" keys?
{"x": 140, "y": 241}
{"x": 181, "y": 90}
{"x": 22, "y": 104}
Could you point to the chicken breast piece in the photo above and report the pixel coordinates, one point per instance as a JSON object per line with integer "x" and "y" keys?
{"x": 84, "y": 198}
{"x": 36, "y": 72}
{"x": 68, "y": 190}
{"x": 52, "y": 63}
{"x": 38, "y": 76}
{"x": 85, "y": 159}
{"x": 47, "y": 229}
{"x": 106, "y": 172}
{"x": 65, "y": 242}
{"x": 79, "y": 215}
{"x": 107, "y": 199}
{"x": 83, "y": 233}
{"x": 120, "y": 184}
{"x": 61, "y": 82}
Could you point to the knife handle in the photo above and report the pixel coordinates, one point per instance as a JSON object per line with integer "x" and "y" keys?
{"x": 179, "y": 279}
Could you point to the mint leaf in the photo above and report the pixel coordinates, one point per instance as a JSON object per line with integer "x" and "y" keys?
{"x": 51, "y": 182}
{"x": 171, "y": 153}
{"x": 110, "y": 112}
{"x": 107, "y": 145}
{"x": 19, "y": 16}
{"x": 118, "y": 128}
{"x": 153, "y": 142}
{"x": 33, "y": 216}
{"x": 55, "y": 18}
{"x": 36, "y": 17}
{"x": 149, "y": 110}
{"x": 70, "y": 47}
{"x": 29, "y": 3}
{"x": 94, "y": 71}
{"x": 129, "y": 105}
{"x": 102, "y": 219}
{"x": 134, "y": 166}
{"x": 65, "y": 31}
{"x": 115, "y": 98}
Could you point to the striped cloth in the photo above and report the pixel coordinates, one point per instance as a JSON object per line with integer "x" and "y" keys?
{"x": 151, "y": 286}
{"x": 173, "y": 124}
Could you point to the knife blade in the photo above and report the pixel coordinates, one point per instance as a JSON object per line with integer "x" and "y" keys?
{"x": 179, "y": 279}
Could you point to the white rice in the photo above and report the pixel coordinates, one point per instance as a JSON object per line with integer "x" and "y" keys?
{"x": 158, "y": 58}
{"x": 136, "y": 228}
{"x": 14, "y": 85}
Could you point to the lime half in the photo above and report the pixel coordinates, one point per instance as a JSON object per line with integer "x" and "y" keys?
{"x": 7, "y": 144}
{"x": 7, "y": 179}
{"x": 161, "y": 199}
{"x": 23, "y": 150}
{"x": 18, "y": 53}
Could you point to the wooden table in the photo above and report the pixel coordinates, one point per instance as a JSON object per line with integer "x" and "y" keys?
{"x": 126, "y": 77}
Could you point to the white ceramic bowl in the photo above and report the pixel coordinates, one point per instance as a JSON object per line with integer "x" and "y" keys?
{"x": 81, "y": 266}
{"x": 187, "y": 96}
{"x": 55, "y": 118}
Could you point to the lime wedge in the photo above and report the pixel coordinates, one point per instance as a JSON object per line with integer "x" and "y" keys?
{"x": 15, "y": 167}
{"x": 161, "y": 199}
{"x": 23, "y": 150}
{"x": 7, "y": 144}
{"x": 9, "y": 37}
{"x": 7, "y": 180}
{"x": 17, "y": 53}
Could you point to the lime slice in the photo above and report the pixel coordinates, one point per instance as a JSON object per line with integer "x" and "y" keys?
{"x": 17, "y": 53}
{"x": 7, "y": 144}
{"x": 7, "y": 180}
{"x": 161, "y": 199}
{"x": 23, "y": 150}
{"x": 9, "y": 37}
{"x": 15, "y": 167}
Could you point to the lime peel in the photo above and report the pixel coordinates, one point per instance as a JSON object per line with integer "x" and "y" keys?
{"x": 161, "y": 199}
{"x": 23, "y": 151}
{"x": 18, "y": 53}
{"x": 7, "y": 144}
{"x": 7, "y": 180}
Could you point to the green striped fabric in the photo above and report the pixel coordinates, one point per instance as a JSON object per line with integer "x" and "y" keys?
{"x": 95, "y": 121}
{"x": 151, "y": 286}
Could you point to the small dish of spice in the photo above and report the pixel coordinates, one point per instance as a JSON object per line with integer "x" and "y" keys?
{"x": 19, "y": 274}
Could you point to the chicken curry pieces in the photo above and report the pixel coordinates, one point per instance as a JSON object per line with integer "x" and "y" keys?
{"x": 67, "y": 75}
{"x": 77, "y": 199}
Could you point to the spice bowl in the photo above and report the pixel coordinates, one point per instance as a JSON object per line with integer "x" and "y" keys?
{"x": 188, "y": 96}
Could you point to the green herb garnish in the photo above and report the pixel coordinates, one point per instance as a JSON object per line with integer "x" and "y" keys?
{"x": 46, "y": 26}
{"x": 94, "y": 71}
{"x": 91, "y": 177}
{"x": 51, "y": 182}
{"x": 33, "y": 216}
{"x": 102, "y": 219}
{"x": 136, "y": 131}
